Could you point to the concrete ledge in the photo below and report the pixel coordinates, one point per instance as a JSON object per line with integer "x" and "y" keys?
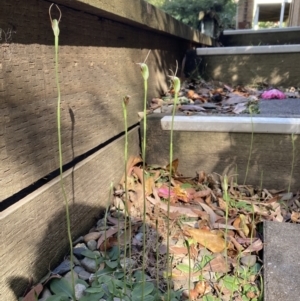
{"x": 249, "y": 50}
{"x": 33, "y": 232}
{"x": 233, "y": 124}
{"x": 228, "y": 153}
{"x": 258, "y": 31}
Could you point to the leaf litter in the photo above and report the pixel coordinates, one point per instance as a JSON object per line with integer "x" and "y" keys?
{"x": 213, "y": 97}
{"x": 215, "y": 238}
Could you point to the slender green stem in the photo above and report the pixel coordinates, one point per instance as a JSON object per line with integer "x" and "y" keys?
{"x": 144, "y": 186}
{"x": 145, "y": 74}
{"x": 190, "y": 270}
{"x": 251, "y": 146}
{"x": 55, "y": 28}
{"x": 293, "y": 137}
{"x": 227, "y": 200}
{"x": 124, "y": 104}
{"x": 105, "y": 215}
{"x": 157, "y": 265}
{"x": 176, "y": 84}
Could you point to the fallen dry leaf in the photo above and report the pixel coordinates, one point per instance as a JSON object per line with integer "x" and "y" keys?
{"x": 33, "y": 294}
{"x": 295, "y": 217}
{"x": 213, "y": 242}
{"x": 256, "y": 246}
{"x": 217, "y": 264}
{"x": 181, "y": 210}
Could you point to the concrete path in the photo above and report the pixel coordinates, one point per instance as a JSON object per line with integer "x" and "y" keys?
{"x": 281, "y": 261}
{"x": 280, "y": 108}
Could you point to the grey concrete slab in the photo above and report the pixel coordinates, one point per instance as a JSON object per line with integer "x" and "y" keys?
{"x": 281, "y": 261}
{"x": 280, "y": 108}
{"x": 248, "y": 50}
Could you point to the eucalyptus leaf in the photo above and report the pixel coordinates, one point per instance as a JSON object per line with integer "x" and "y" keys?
{"x": 61, "y": 286}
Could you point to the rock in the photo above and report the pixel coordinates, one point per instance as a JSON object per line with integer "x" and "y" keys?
{"x": 167, "y": 109}
{"x": 68, "y": 277}
{"x": 78, "y": 240}
{"x": 84, "y": 275}
{"x": 91, "y": 236}
{"x": 92, "y": 245}
{"x": 78, "y": 250}
{"x": 248, "y": 261}
{"x": 209, "y": 106}
{"x": 79, "y": 290}
{"x": 118, "y": 203}
{"x": 45, "y": 295}
{"x": 63, "y": 268}
{"x": 76, "y": 261}
{"x": 78, "y": 269}
{"x": 127, "y": 262}
{"x": 89, "y": 264}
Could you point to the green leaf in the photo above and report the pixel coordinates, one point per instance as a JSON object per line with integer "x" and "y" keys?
{"x": 204, "y": 261}
{"x": 94, "y": 290}
{"x": 210, "y": 298}
{"x": 82, "y": 282}
{"x": 119, "y": 275}
{"x": 138, "y": 275}
{"x": 112, "y": 264}
{"x": 105, "y": 279}
{"x": 103, "y": 272}
{"x": 58, "y": 297}
{"x": 61, "y": 286}
{"x": 186, "y": 185}
{"x": 231, "y": 283}
{"x": 114, "y": 253}
{"x": 90, "y": 254}
{"x": 183, "y": 268}
{"x": 139, "y": 289}
{"x": 146, "y": 298}
{"x": 92, "y": 297}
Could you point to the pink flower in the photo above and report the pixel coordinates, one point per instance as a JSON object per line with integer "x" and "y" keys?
{"x": 273, "y": 94}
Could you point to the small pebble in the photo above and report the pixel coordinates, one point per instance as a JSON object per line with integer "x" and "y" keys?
{"x": 79, "y": 290}
{"x": 92, "y": 245}
{"x": 68, "y": 277}
{"x": 89, "y": 265}
{"x": 77, "y": 252}
{"x": 78, "y": 269}
{"x": 91, "y": 236}
{"x": 84, "y": 275}
{"x": 63, "y": 268}
{"x": 248, "y": 260}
